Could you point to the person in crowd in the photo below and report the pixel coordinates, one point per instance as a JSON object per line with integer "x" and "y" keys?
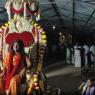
{"x": 88, "y": 88}
{"x": 86, "y": 48}
{"x": 89, "y": 60}
{"x": 82, "y": 53}
{"x": 72, "y": 55}
{"x": 77, "y": 56}
{"x": 68, "y": 55}
{"x": 92, "y": 49}
{"x": 14, "y": 67}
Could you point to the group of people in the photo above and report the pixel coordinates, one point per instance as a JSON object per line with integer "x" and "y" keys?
{"x": 80, "y": 55}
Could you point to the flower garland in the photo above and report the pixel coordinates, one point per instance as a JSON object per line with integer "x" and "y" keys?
{"x": 33, "y": 83}
{"x": 0, "y": 46}
{"x": 7, "y": 6}
{"x": 28, "y": 5}
{"x": 41, "y": 49}
{"x": 42, "y": 41}
{"x": 19, "y": 7}
{"x": 14, "y": 6}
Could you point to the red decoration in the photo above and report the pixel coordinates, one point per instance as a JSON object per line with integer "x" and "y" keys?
{"x": 19, "y": 10}
{"x": 29, "y": 9}
{"x": 36, "y": 84}
{"x": 26, "y": 37}
{"x": 9, "y": 73}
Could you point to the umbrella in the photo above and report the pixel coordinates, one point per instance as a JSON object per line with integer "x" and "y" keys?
{"x": 26, "y": 37}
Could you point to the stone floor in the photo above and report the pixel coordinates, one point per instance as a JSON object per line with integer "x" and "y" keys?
{"x": 64, "y": 76}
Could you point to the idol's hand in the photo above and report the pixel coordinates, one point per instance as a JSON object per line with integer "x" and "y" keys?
{"x": 22, "y": 72}
{"x": 2, "y": 74}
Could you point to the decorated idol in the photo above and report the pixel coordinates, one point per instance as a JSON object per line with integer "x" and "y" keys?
{"x": 22, "y": 40}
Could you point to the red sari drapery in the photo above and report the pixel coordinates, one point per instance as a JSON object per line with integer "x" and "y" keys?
{"x": 12, "y": 68}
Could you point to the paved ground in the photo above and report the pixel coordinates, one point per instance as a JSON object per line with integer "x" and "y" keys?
{"x": 66, "y": 77}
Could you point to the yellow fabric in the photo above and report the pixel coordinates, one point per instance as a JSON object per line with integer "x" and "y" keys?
{"x": 2, "y": 86}
{"x": 30, "y": 84}
{"x": 39, "y": 68}
{"x": 41, "y": 85}
{"x": 14, "y": 88}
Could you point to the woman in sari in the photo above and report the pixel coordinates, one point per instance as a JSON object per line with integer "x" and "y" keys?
{"x": 14, "y": 67}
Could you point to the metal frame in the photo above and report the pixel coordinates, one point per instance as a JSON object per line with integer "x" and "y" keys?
{"x": 73, "y": 18}
{"x": 61, "y": 17}
{"x": 84, "y": 26}
{"x": 57, "y": 12}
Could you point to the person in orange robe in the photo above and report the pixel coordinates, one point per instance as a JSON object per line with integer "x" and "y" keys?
{"x": 15, "y": 65}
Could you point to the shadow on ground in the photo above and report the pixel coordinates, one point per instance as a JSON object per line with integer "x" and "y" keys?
{"x": 65, "y": 77}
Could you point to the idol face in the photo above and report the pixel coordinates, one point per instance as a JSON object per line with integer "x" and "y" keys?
{"x": 16, "y": 47}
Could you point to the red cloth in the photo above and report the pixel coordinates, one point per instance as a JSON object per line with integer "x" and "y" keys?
{"x": 11, "y": 70}
{"x": 1, "y": 86}
{"x": 26, "y": 37}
